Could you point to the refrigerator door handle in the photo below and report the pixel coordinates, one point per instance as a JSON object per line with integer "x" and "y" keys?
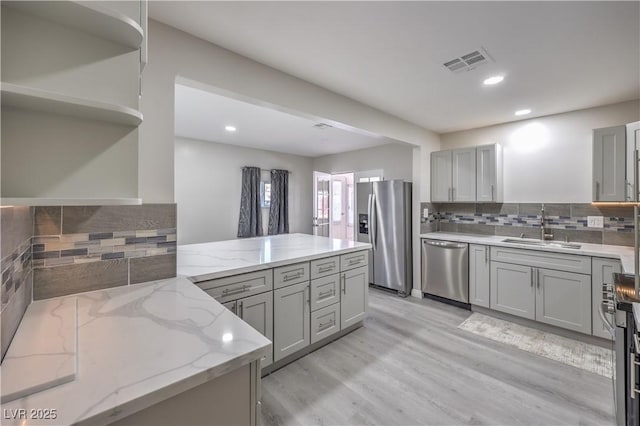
{"x": 369, "y": 214}
{"x": 373, "y": 223}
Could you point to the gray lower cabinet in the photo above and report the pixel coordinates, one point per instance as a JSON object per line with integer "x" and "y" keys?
{"x": 563, "y": 299}
{"x": 257, "y": 311}
{"x": 290, "y": 320}
{"x": 354, "y": 298}
{"x": 325, "y": 322}
{"x": 512, "y": 290}
{"x": 479, "y": 270}
{"x": 603, "y": 270}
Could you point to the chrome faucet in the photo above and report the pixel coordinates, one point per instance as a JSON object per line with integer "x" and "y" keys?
{"x": 543, "y": 231}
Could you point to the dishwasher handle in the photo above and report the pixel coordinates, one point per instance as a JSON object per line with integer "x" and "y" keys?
{"x": 445, "y": 244}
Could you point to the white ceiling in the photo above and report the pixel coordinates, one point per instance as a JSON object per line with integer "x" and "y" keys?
{"x": 203, "y": 115}
{"x": 556, "y": 56}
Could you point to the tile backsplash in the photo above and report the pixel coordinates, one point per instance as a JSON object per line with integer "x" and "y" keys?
{"x": 565, "y": 221}
{"x": 79, "y": 249}
{"x": 16, "y": 228}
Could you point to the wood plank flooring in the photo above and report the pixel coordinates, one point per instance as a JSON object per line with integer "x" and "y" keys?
{"x": 411, "y": 365}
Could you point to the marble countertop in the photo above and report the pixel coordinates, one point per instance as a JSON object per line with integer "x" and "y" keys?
{"x": 207, "y": 261}
{"x": 625, "y": 254}
{"x": 139, "y": 345}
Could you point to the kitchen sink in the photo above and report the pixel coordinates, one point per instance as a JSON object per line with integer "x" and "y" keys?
{"x": 540, "y": 243}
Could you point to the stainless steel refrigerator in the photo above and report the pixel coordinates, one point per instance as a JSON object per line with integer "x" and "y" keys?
{"x": 384, "y": 220}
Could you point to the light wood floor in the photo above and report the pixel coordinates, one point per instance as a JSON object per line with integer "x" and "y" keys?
{"x": 411, "y": 365}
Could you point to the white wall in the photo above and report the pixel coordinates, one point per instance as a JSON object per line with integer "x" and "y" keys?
{"x": 174, "y": 53}
{"x": 394, "y": 159}
{"x": 548, "y": 159}
{"x": 208, "y": 186}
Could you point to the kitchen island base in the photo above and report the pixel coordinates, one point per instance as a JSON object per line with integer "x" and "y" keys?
{"x": 231, "y": 399}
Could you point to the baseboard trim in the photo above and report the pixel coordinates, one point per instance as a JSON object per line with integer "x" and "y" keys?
{"x": 416, "y": 292}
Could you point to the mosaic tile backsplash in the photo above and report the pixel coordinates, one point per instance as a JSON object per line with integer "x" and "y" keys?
{"x": 16, "y": 228}
{"x": 84, "y": 248}
{"x": 566, "y": 221}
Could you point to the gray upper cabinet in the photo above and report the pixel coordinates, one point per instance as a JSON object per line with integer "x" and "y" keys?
{"x": 463, "y": 175}
{"x": 633, "y": 145}
{"x": 354, "y": 299}
{"x": 563, "y": 299}
{"x": 467, "y": 175}
{"x": 489, "y": 187}
{"x": 479, "y": 269}
{"x": 441, "y": 176}
{"x": 603, "y": 270}
{"x": 291, "y": 320}
{"x": 609, "y": 169}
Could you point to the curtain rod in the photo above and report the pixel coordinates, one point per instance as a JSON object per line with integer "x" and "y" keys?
{"x": 268, "y": 170}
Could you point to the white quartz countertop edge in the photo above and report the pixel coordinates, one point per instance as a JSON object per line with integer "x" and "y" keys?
{"x": 168, "y": 337}
{"x": 208, "y": 261}
{"x": 624, "y": 254}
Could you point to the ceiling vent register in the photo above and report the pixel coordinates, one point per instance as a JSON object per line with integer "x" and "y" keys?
{"x": 468, "y": 62}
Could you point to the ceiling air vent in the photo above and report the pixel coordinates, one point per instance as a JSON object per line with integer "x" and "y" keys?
{"x": 322, "y": 126}
{"x": 469, "y": 61}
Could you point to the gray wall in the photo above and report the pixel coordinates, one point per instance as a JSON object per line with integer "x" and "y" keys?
{"x": 395, "y": 159}
{"x": 548, "y": 159}
{"x": 208, "y": 186}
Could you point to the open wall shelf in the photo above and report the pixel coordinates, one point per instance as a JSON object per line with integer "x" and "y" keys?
{"x": 86, "y": 16}
{"x": 29, "y": 98}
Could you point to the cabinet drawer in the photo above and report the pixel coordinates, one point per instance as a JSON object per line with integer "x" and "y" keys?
{"x": 325, "y": 291}
{"x": 290, "y": 274}
{"x": 354, "y": 260}
{"x": 324, "y": 267}
{"x": 543, "y": 259}
{"x": 325, "y": 322}
{"x": 238, "y": 286}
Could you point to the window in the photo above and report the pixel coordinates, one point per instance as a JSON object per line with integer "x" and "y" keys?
{"x": 265, "y": 194}
{"x": 370, "y": 179}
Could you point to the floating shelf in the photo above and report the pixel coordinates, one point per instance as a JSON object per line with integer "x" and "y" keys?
{"x": 33, "y": 99}
{"x": 70, "y": 201}
{"x": 86, "y": 16}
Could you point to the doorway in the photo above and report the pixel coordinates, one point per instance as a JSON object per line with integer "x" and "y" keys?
{"x": 334, "y": 205}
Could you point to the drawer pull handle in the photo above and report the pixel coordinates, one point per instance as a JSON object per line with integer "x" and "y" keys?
{"x": 293, "y": 277}
{"x": 326, "y": 325}
{"x": 355, "y": 261}
{"x": 229, "y": 292}
{"x": 328, "y": 293}
{"x": 326, "y": 269}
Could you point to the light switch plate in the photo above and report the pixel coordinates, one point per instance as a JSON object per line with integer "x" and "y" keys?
{"x": 595, "y": 221}
{"x": 425, "y": 213}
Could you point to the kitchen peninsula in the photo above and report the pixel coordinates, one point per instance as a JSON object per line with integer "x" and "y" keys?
{"x": 300, "y": 291}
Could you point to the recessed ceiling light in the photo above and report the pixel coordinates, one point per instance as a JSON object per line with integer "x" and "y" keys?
{"x": 523, "y": 111}
{"x": 230, "y": 128}
{"x": 493, "y": 80}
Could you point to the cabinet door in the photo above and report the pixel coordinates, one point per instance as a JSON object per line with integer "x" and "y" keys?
{"x": 355, "y": 296}
{"x": 464, "y": 175}
{"x": 512, "y": 290}
{"x": 231, "y": 306}
{"x": 291, "y": 317}
{"x": 633, "y": 143}
{"x": 603, "y": 270}
{"x": 257, "y": 311}
{"x": 441, "y": 176}
{"x": 489, "y": 174}
{"x": 479, "y": 275}
{"x": 563, "y": 299}
{"x": 609, "y": 164}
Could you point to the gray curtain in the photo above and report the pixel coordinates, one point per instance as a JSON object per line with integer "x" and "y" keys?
{"x": 250, "y": 223}
{"x": 279, "y": 209}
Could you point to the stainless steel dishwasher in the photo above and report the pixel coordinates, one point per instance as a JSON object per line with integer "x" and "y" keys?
{"x": 445, "y": 269}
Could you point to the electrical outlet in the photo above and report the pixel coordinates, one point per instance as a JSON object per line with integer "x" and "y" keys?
{"x": 425, "y": 213}
{"x": 595, "y": 221}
